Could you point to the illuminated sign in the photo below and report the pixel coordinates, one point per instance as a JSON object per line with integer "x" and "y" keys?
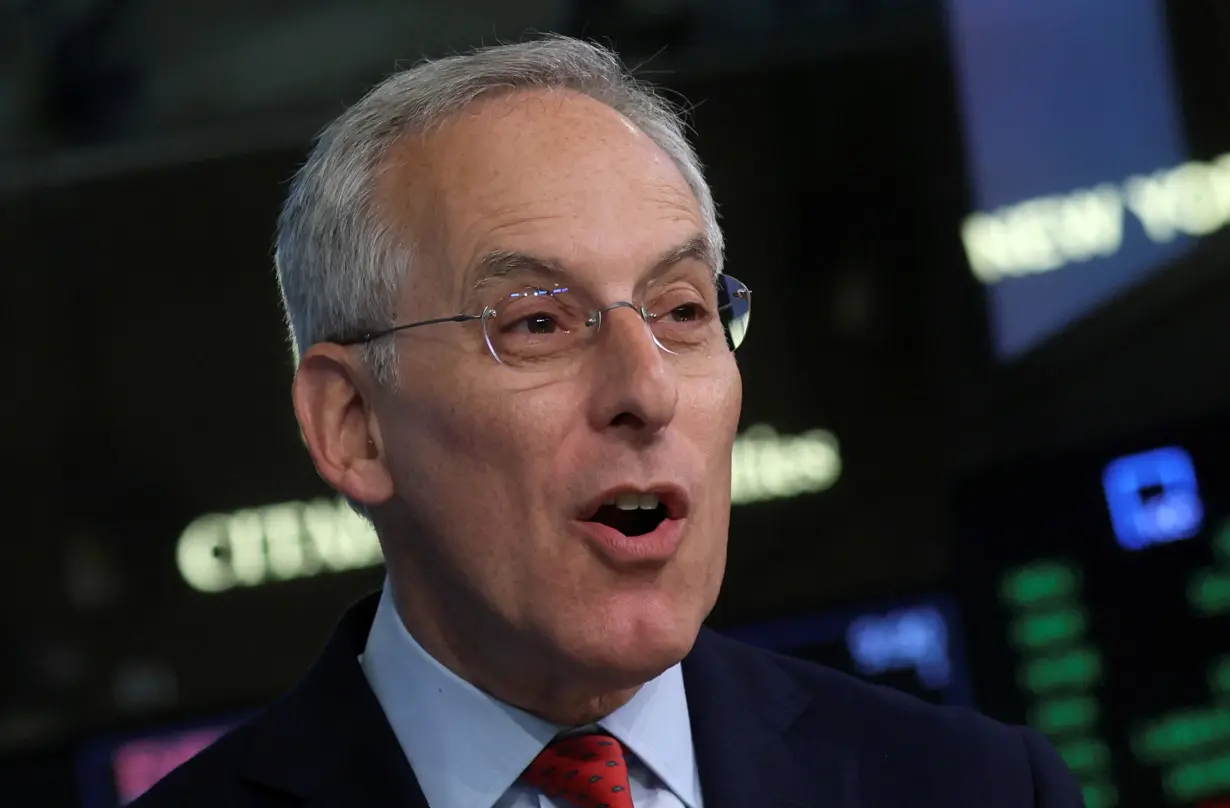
{"x": 1153, "y": 498}
{"x": 1078, "y": 167}
{"x": 1046, "y": 233}
{"x": 1059, "y": 669}
{"x": 275, "y": 543}
{"x": 767, "y": 466}
{"x": 912, "y": 644}
{"x": 290, "y": 540}
{"x": 1208, "y": 592}
{"x": 1120, "y": 657}
{"x": 910, "y": 639}
{"x": 1188, "y": 744}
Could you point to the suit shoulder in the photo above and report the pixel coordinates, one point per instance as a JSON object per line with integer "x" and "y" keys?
{"x": 900, "y": 736}
{"x": 879, "y": 709}
{"x": 905, "y": 742}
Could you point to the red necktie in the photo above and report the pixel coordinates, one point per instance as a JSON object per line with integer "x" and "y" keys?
{"x": 586, "y": 771}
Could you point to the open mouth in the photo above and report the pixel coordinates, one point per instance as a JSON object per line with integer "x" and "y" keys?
{"x": 631, "y": 513}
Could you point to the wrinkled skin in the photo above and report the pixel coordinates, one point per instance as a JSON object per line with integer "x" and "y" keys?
{"x": 475, "y": 471}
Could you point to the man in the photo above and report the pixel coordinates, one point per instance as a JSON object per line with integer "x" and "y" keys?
{"x": 503, "y": 277}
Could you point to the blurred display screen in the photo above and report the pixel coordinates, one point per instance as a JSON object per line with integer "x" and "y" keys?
{"x": 1096, "y": 588}
{"x": 1076, "y": 157}
{"x": 914, "y": 645}
{"x": 115, "y": 771}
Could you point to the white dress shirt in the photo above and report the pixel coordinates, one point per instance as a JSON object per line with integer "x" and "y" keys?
{"x": 467, "y": 748}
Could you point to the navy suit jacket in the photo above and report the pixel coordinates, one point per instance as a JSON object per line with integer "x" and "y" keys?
{"x": 769, "y": 732}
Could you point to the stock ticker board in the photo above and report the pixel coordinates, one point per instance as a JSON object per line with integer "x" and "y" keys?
{"x": 1096, "y": 589}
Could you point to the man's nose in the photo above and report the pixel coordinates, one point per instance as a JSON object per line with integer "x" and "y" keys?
{"x": 636, "y": 388}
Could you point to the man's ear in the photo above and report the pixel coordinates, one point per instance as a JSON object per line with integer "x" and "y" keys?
{"x": 337, "y": 423}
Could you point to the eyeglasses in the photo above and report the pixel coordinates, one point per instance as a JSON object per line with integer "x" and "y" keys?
{"x": 536, "y": 326}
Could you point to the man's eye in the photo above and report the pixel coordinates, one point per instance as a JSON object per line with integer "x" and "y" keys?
{"x": 537, "y": 324}
{"x": 687, "y": 312}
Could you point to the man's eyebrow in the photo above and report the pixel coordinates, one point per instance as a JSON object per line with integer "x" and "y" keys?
{"x": 697, "y": 248}
{"x": 497, "y": 265}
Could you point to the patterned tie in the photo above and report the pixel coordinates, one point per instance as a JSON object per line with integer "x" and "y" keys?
{"x": 585, "y": 771}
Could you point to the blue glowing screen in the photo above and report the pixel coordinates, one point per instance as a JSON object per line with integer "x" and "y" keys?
{"x": 1153, "y": 498}
{"x": 913, "y": 644}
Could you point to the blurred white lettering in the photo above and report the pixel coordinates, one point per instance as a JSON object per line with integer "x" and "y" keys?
{"x": 278, "y": 542}
{"x": 1045, "y": 234}
{"x": 768, "y": 466}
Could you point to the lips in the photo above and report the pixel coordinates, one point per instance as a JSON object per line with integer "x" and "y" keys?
{"x": 633, "y": 526}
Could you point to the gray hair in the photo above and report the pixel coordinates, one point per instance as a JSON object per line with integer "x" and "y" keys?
{"x": 340, "y": 264}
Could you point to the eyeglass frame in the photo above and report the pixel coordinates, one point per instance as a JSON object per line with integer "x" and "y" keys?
{"x": 488, "y": 312}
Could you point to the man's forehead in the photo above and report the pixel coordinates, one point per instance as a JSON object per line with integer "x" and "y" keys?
{"x": 505, "y": 187}
{"x": 550, "y": 134}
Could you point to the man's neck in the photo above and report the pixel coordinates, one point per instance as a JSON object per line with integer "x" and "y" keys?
{"x": 526, "y": 680}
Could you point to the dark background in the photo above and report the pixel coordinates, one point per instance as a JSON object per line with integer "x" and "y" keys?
{"x": 148, "y": 373}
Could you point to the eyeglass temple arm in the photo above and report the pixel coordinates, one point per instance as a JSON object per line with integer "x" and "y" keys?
{"x": 369, "y": 336}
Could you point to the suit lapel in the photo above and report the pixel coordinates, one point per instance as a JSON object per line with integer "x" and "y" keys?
{"x": 328, "y": 742}
{"x": 751, "y": 747}
{"x": 369, "y": 782}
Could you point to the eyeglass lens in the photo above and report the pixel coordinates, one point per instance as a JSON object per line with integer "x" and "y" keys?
{"x": 539, "y": 325}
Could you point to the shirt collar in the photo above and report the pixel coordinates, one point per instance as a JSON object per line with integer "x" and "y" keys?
{"x": 467, "y": 748}
{"x": 656, "y": 726}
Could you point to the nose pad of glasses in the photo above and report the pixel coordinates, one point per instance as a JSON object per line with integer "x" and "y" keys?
{"x": 646, "y": 318}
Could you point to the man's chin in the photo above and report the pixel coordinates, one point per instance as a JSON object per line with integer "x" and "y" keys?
{"x": 637, "y": 653}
